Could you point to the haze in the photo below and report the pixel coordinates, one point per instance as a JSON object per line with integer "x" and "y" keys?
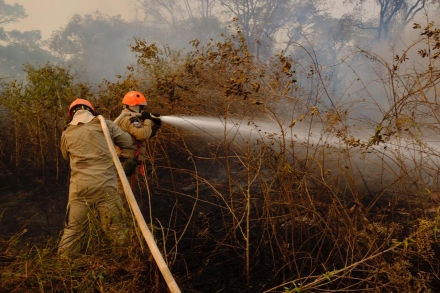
{"x": 97, "y": 45}
{"x": 50, "y": 15}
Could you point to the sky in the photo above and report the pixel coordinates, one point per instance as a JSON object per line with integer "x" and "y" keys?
{"x": 50, "y": 15}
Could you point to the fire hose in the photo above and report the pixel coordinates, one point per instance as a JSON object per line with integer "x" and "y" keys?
{"x": 169, "y": 279}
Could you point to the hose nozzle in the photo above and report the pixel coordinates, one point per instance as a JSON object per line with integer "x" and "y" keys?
{"x": 155, "y": 116}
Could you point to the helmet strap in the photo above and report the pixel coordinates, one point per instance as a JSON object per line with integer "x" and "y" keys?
{"x": 81, "y": 107}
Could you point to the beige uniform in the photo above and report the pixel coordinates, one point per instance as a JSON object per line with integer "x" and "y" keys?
{"x": 140, "y": 131}
{"x": 93, "y": 180}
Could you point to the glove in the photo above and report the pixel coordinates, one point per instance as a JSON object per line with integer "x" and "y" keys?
{"x": 149, "y": 115}
{"x": 145, "y": 115}
{"x": 155, "y": 117}
{"x": 129, "y": 166}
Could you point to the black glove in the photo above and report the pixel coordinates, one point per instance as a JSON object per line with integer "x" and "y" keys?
{"x": 149, "y": 115}
{"x": 129, "y": 166}
{"x": 145, "y": 115}
{"x": 156, "y": 119}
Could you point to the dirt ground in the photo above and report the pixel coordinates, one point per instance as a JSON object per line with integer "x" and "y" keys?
{"x": 38, "y": 210}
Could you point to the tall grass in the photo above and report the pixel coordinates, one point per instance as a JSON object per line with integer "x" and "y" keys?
{"x": 310, "y": 198}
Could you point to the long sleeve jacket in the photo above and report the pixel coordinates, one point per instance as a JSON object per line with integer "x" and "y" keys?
{"x": 139, "y": 131}
{"x": 91, "y": 163}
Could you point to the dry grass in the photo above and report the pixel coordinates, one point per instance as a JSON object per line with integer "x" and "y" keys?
{"x": 305, "y": 205}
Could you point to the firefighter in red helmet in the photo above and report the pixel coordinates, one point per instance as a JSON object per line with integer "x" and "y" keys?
{"x": 141, "y": 127}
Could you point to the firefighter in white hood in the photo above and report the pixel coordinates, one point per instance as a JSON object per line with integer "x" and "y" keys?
{"x": 93, "y": 179}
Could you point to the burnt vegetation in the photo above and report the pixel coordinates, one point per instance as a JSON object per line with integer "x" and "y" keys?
{"x": 283, "y": 210}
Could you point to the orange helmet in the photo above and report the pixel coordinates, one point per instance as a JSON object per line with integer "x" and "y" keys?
{"x": 81, "y": 102}
{"x": 134, "y": 98}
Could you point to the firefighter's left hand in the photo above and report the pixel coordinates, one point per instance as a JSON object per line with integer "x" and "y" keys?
{"x": 150, "y": 116}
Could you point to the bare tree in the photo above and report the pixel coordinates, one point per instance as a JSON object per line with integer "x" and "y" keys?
{"x": 393, "y": 16}
{"x": 169, "y": 12}
{"x": 263, "y": 21}
{"x": 206, "y": 7}
{"x": 259, "y": 20}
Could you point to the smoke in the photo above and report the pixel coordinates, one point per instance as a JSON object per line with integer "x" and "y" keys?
{"x": 326, "y": 44}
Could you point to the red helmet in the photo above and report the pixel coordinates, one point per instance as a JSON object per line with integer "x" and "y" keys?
{"x": 80, "y": 102}
{"x": 134, "y": 98}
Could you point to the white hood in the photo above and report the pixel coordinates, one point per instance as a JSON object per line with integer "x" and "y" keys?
{"x": 81, "y": 116}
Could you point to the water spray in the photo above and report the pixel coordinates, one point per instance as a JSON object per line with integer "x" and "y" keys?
{"x": 306, "y": 141}
{"x": 386, "y": 156}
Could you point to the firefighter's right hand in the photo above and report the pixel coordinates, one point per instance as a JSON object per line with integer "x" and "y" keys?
{"x": 145, "y": 115}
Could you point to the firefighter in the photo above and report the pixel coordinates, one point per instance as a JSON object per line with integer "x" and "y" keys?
{"x": 93, "y": 180}
{"x": 141, "y": 125}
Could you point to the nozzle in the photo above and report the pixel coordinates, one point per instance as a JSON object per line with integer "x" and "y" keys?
{"x": 155, "y": 116}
